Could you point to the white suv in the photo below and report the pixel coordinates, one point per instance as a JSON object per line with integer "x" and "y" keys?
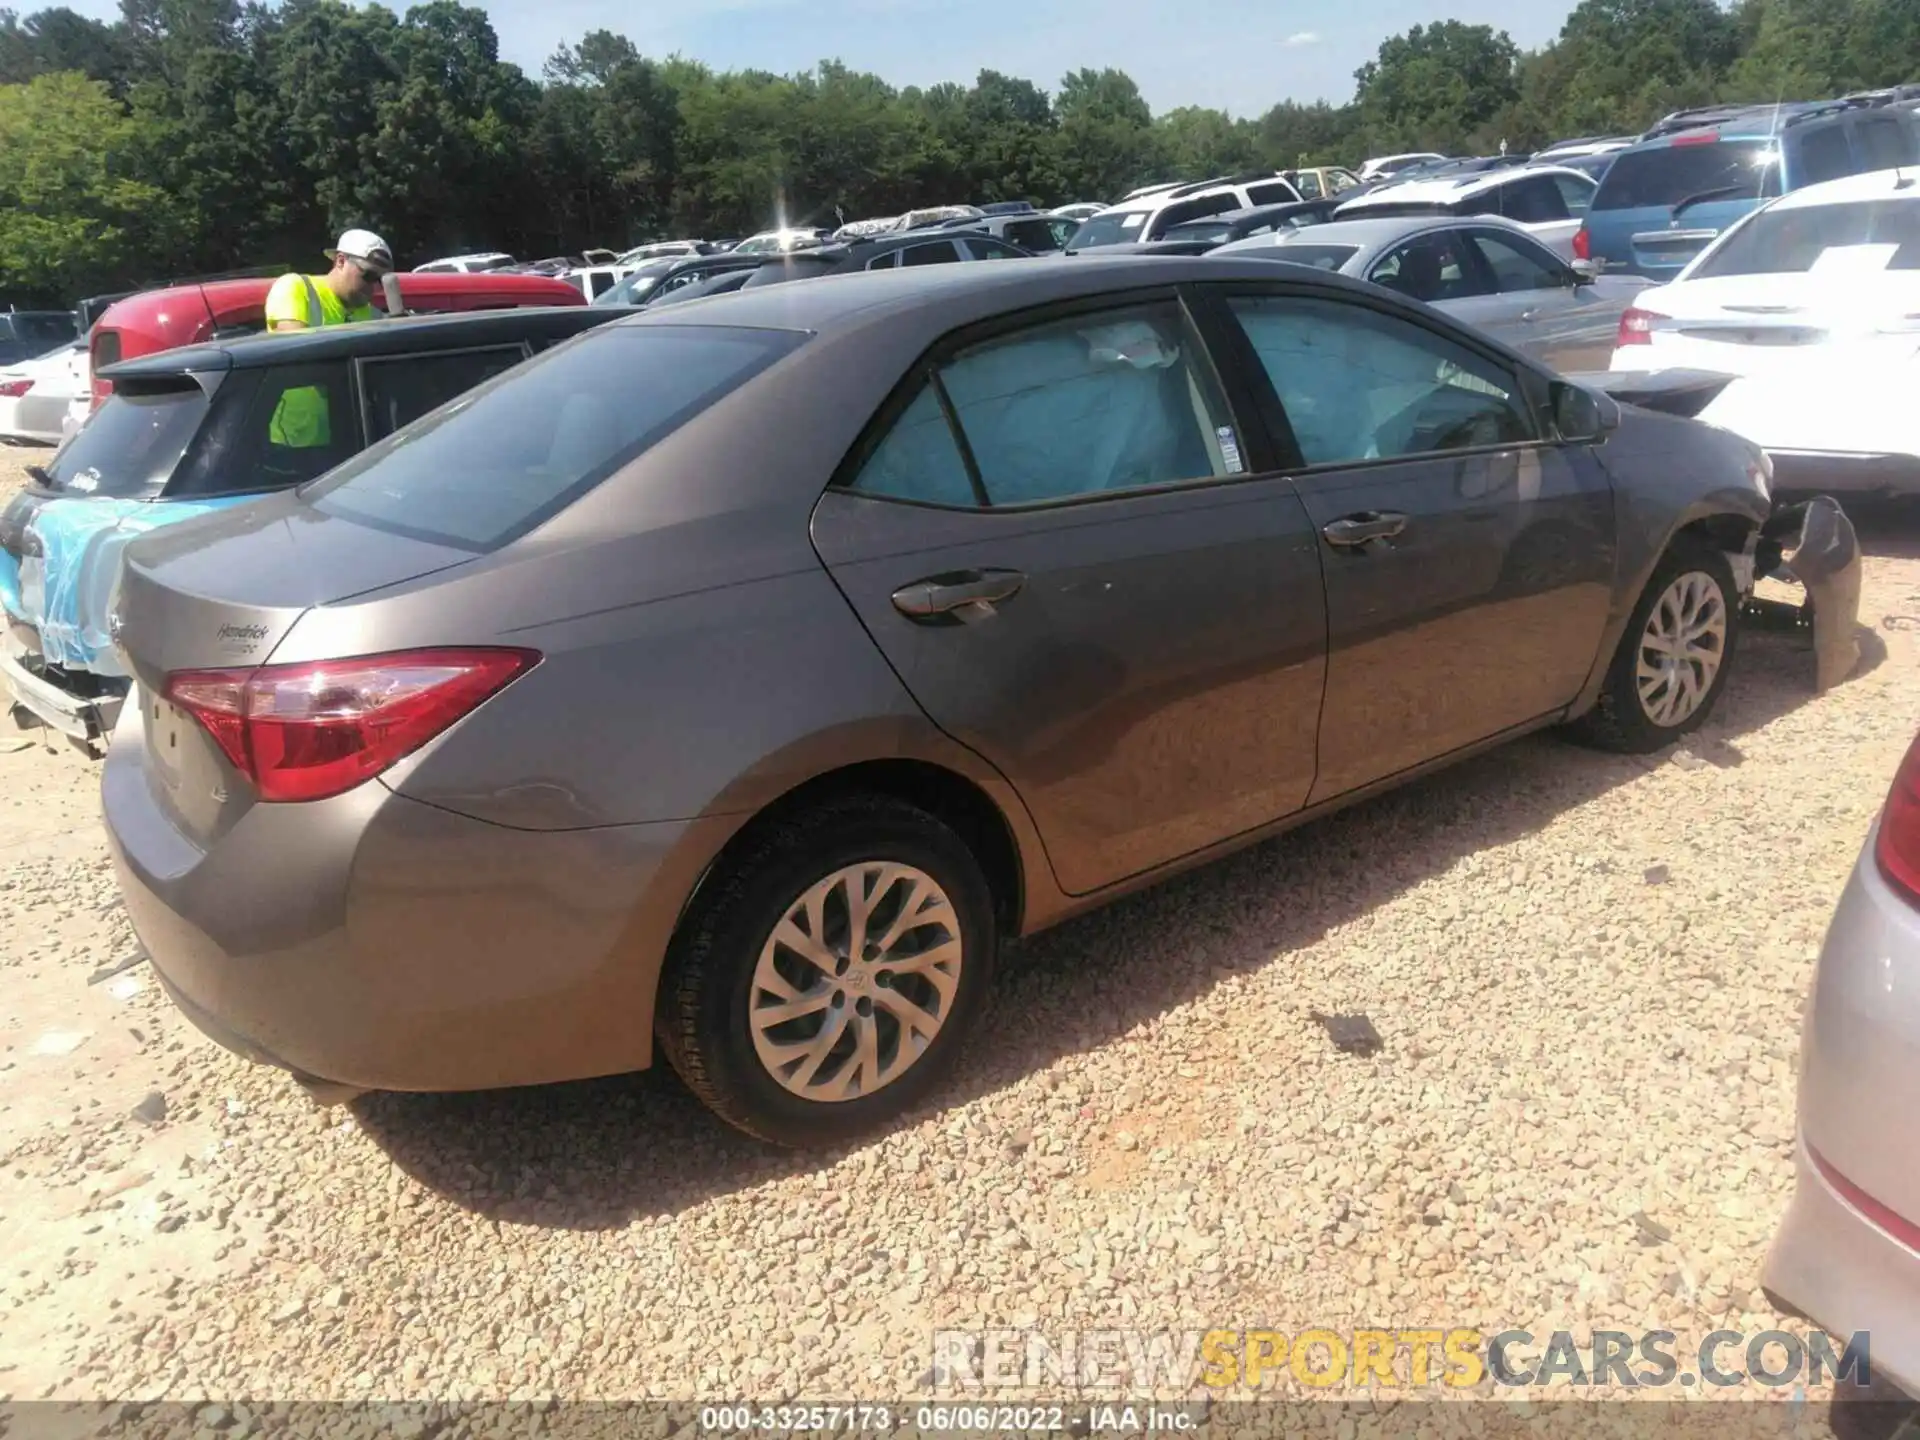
{"x": 1149, "y": 215}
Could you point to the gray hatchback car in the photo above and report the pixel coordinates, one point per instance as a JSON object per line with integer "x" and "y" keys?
{"x": 727, "y": 681}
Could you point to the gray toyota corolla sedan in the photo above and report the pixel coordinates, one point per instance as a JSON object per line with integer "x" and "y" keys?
{"x": 1848, "y": 1251}
{"x": 729, "y": 679}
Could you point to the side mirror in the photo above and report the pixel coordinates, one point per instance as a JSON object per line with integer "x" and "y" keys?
{"x": 1578, "y": 415}
{"x": 1585, "y": 272}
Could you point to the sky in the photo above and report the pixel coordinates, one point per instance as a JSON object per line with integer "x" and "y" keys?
{"x": 1241, "y": 56}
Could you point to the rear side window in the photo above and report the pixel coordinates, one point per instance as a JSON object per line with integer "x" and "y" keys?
{"x": 1309, "y": 186}
{"x": 939, "y": 252}
{"x": 1824, "y": 154}
{"x": 501, "y": 459}
{"x": 1278, "y": 192}
{"x": 1883, "y": 143}
{"x": 299, "y": 423}
{"x": 1666, "y": 175}
{"x": 133, "y": 442}
{"x": 401, "y": 389}
{"x": 1534, "y": 201}
{"x": 1320, "y": 257}
{"x": 1098, "y": 403}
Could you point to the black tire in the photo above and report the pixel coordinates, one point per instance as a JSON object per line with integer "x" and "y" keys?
{"x": 702, "y": 1019}
{"x": 1618, "y": 720}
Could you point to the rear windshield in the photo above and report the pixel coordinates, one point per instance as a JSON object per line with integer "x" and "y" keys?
{"x": 497, "y": 462}
{"x": 1116, "y": 227}
{"x": 133, "y": 442}
{"x": 1321, "y": 257}
{"x": 1199, "y": 230}
{"x": 1866, "y": 235}
{"x": 1664, "y": 176}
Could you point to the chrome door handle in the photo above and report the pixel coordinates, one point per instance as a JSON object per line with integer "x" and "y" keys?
{"x": 967, "y": 594}
{"x": 1368, "y": 525}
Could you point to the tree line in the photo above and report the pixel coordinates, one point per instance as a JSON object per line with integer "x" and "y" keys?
{"x": 194, "y": 136}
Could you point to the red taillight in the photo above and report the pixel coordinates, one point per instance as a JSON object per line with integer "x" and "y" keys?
{"x": 1636, "y": 327}
{"x": 1897, "y": 851}
{"x": 1582, "y": 244}
{"x": 311, "y": 731}
{"x": 14, "y": 389}
{"x": 102, "y": 389}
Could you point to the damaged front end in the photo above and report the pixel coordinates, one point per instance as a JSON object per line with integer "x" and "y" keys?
{"x": 1808, "y": 542}
{"x": 1813, "y": 544}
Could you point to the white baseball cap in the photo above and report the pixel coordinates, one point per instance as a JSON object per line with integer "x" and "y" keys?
{"x": 366, "y": 247}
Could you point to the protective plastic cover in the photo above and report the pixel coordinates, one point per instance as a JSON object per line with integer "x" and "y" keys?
{"x": 66, "y": 581}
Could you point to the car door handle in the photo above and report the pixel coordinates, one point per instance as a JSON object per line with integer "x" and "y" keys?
{"x": 1368, "y": 525}
{"x": 969, "y": 594}
{"x": 1531, "y": 315}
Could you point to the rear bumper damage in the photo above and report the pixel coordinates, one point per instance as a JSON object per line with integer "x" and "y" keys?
{"x": 37, "y": 698}
{"x": 1812, "y": 543}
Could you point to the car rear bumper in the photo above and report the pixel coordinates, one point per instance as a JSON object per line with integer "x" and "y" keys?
{"x": 1848, "y": 1252}
{"x": 38, "y": 700}
{"x": 379, "y": 943}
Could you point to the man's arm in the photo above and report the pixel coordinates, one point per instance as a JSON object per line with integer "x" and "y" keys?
{"x": 287, "y": 304}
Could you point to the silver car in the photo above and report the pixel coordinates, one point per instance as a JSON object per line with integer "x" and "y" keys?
{"x": 1484, "y": 270}
{"x": 1848, "y": 1252}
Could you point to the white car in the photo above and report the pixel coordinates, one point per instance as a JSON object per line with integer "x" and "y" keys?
{"x": 660, "y": 250}
{"x": 775, "y": 242}
{"x": 1149, "y": 214}
{"x": 1813, "y": 303}
{"x": 35, "y": 395}
{"x": 465, "y": 264}
{"x": 1547, "y": 201}
{"x": 1382, "y": 166}
{"x": 1078, "y": 211}
{"x": 595, "y": 280}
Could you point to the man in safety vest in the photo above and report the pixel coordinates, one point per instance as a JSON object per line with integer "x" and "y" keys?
{"x": 302, "y": 420}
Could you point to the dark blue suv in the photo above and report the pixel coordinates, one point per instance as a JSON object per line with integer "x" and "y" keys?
{"x": 1697, "y": 172}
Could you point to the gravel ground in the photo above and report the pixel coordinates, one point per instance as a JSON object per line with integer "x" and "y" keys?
{"x": 1587, "y": 972}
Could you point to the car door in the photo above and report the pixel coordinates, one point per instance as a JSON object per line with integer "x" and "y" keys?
{"x": 1051, "y": 534}
{"x": 1553, "y": 314}
{"x": 1469, "y": 557}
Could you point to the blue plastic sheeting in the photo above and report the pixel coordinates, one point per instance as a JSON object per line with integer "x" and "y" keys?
{"x": 66, "y": 590}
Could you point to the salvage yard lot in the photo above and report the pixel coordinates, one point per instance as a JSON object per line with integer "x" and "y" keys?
{"x": 1587, "y": 971}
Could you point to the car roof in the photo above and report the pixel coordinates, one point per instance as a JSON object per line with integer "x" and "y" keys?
{"x": 1901, "y": 184}
{"x": 1450, "y": 189}
{"x": 936, "y": 299}
{"x": 401, "y": 335}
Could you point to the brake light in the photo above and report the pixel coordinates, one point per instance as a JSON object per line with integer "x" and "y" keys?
{"x": 1582, "y": 244}
{"x": 315, "y": 730}
{"x": 1696, "y": 137}
{"x": 1636, "y": 327}
{"x": 1897, "y": 851}
{"x": 14, "y": 389}
{"x": 102, "y": 390}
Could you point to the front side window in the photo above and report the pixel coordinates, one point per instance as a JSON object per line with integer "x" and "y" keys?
{"x": 1430, "y": 268}
{"x": 1105, "y": 402}
{"x": 401, "y": 389}
{"x": 1358, "y": 385}
{"x": 1516, "y": 265}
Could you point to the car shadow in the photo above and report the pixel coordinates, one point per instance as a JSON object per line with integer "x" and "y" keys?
{"x": 599, "y": 1154}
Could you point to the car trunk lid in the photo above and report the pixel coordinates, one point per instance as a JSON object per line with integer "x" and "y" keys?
{"x": 221, "y": 593}
{"x": 1788, "y": 323}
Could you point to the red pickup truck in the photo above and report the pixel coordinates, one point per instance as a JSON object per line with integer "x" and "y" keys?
{"x": 217, "y": 309}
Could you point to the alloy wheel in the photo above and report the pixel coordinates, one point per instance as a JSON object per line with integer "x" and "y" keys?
{"x": 1681, "y": 648}
{"x": 855, "y": 981}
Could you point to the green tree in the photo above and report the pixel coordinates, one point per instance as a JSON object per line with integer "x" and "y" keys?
{"x": 1437, "y": 86}
{"x": 72, "y": 213}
